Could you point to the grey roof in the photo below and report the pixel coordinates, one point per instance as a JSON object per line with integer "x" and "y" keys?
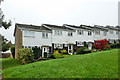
{"x": 56, "y": 27}
{"x": 111, "y": 27}
{"x": 80, "y": 27}
{"x": 87, "y": 27}
{"x": 30, "y": 27}
{"x": 100, "y": 27}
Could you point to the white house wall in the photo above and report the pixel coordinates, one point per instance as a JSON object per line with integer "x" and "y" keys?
{"x": 84, "y": 36}
{"x": 64, "y": 38}
{"x": 112, "y": 36}
{"x": 37, "y": 40}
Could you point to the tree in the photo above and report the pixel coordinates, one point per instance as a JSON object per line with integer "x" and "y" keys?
{"x": 4, "y": 24}
{"x": 5, "y": 44}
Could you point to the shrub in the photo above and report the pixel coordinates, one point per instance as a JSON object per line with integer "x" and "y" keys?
{"x": 81, "y": 50}
{"x": 87, "y": 51}
{"x": 56, "y": 54}
{"x": 93, "y": 46}
{"x": 113, "y": 45}
{"x": 13, "y": 51}
{"x": 99, "y": 44}
{"x": 106, "y": 47}
{"x": 71, "y": 51}
{"x": 63, "y": 51}
{"x": 37, "y": 52}
{"x": 25, "y": 56}
{"x": 118, "y": 45}
{"x": 85, "y": 44}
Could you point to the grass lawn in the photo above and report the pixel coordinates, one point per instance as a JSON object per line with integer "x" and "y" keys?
{"x": 102, "y": 64}
{"x": 8, "y": 62}
{"x": 66, "y": 55}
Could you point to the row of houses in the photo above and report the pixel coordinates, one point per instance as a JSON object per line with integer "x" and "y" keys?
{"x": 69, "y": 37}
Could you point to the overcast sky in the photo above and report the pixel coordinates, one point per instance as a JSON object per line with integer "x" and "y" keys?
{"x": 59, "y": 12}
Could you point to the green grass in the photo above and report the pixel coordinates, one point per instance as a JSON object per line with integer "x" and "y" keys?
{"x": 102, "y": 64}
{"x": 8, "y": 62}
{"x": 66, "y": 55}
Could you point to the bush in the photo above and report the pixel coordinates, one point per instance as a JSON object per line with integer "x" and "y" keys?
{"x": 118, "y": 45}
{"x": 63, "y": 51}
{"x": 56, "y": 54}
{"x": 93, "y": 46}
{"x": 87, "y": 51}
{"x": 85, "y": 44}
{"x": 99, "y": 44}
{"x": 112, "y": 45}
{"x": 81, "y": 50}
{"x": 106, "y": 47}
{"x": 13, "y": 51}
{"x": 25, "y": 56}
{"x": 37, "y": 52}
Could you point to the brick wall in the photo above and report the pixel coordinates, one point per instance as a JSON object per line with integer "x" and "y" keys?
{"x": 18, "y": 41}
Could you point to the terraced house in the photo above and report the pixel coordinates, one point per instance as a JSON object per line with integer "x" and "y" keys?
{"x": 69, "y": 37}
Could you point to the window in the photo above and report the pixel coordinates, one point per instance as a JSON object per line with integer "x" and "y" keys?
{"x": 58, "y": 46}
{"x": 66, "y": 45}
{"x": 111, "y": 40}
{"x": 70, "y": 34}
{"x": 29, "y": 33}
{"x": 80, "y": 32}
{"x": 25, "y": 46}
{"x": 111, "y": 32}
{"x": 80, "y": 44}
{"x": 58, "y": 32}
{"x": 45, "y": 35}
{"x": 29, "y": 47}
{"x": 97, "y": 32}
{"x": 89, "y": 33}
{"x": 105, "y": 33}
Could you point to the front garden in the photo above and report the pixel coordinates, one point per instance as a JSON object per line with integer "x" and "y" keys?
{"x": 102, "y": 64}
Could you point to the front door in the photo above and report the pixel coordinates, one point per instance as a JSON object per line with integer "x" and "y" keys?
{"x": 70, "y": 49}
{"x": 89, "y": 46}
{"x": 44, "y": 49}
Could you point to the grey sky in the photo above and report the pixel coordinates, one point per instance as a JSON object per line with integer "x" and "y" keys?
{"x": 58, "y": 12}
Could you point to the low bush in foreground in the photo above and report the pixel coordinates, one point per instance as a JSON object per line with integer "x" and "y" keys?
{"x": 25, "y": 56}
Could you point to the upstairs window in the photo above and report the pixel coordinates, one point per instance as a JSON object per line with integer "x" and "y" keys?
{"x": 80, "y": 32}
{"x": 29, "y": 33}
{"x": 70, "y": 34}
{"x": 105, "y": 33}
{"x": 45, "y": 35}
{"x": 97, "y": 32}
{"x": 58, "y": 32}
{"x": 89, "y": 33}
